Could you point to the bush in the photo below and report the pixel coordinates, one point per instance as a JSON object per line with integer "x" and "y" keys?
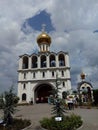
{"x": 8, "y": 103}
{"x": 68, "y": 123}
{"x": 17, "y": 124}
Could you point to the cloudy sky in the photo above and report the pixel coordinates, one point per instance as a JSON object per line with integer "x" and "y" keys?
{"x": 72, "y": 24}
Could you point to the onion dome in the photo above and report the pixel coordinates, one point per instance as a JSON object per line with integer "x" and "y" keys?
{"x": 44, "y": 38}
{"x": 82, "y": 75}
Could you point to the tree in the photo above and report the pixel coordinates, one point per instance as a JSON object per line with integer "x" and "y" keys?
{"x": 8, "y": 103}
{"x": 58, "y": 108}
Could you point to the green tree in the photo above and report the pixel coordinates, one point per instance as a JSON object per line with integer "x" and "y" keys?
{"x": 58, "y": 108}
{"x": 8, "y": 102}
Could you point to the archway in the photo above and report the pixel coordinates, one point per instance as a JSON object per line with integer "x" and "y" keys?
{"x": 42, "y": 92}
{"x": 85, "y": 90}
{"x": 23, "y": 97}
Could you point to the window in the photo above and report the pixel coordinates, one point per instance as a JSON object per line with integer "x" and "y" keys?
{"x": 52, "y": 60}
{"x": 23, "y": 97}
{"x": 34, "y": 62}
{"x": 61, "y": 63}
{"x": 33, "y": 74}
{"x": 43, "y": 61}
{"x": 52, "y": 73}
{"x": 52, "y": 64}
{"x": 62, "y": 73}
{"x": 24, "y": 86}
{"x": 63, "y": 84}
{"x": 61, "y": 60}
{"x": 43, "y": 74}
{"x": 25, "y": 62}
{"x": 24, "y": 75}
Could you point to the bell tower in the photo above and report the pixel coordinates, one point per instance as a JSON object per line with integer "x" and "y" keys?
{"x": 37, "y": 72}
{"x": 44, "y": 41}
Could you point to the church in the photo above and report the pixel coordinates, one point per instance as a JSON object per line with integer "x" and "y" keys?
{"x": 37, "y": 72}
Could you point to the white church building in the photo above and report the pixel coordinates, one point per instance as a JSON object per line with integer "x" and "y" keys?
{"x": 37, "y": 72}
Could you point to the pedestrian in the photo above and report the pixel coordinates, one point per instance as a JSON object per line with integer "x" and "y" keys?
{"x": 70, "y": 104}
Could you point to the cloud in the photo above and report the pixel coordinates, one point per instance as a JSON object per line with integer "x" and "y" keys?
{"x": 72, "y": 15}
{"x": 74, "y": 23}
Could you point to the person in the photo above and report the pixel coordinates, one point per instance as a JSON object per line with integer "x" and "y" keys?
{"x": 37, "y": 100}
{"x": 42, "y": 99}
{"x": 70, "y": 104}
{"x": 49, "y": 102}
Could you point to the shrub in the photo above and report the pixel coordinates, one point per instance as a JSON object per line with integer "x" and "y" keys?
{"x": 17, "y": 124}
{"x": 68, "y": 123}
{"x": 8, "y": 103}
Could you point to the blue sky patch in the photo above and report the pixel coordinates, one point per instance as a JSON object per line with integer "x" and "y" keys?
{"x": 36, "y": 22}
{"x": 96, "y": 31}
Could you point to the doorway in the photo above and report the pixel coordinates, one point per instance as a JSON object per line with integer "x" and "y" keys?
{"x": 42, "y": 92}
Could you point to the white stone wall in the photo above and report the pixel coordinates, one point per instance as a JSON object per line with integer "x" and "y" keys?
{"x": 31, "y": 82}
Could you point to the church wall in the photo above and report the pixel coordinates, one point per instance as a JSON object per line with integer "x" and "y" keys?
{"x": 48, "y": 77}
{"x": 42, "y": 68}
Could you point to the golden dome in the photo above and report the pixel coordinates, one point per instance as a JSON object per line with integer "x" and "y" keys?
{"x": 82, "y": 75}
{"x": 44, "y": 38}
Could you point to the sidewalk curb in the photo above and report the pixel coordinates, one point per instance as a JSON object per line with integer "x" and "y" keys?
{"x": 80, "y": 127}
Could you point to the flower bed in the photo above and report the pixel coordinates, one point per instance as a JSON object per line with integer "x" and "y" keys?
{"x": 71, "y": 122}
{"x": 17, "y": 124}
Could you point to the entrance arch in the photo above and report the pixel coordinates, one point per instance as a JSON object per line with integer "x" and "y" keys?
{"x": 85, "y": 90}
{"x": 42, "y": 92}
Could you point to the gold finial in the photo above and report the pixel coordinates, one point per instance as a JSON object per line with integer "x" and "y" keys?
{"x": 43, "y": 27}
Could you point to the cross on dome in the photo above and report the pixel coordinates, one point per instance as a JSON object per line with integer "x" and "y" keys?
{"x": 43, "y": 27}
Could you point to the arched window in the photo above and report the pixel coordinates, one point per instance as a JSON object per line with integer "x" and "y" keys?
{"x": 64, "y": 94}
{"x": 25, "y": 62}
{"x": 61, "y": 60}
{"x": 34, "y": 62}
{"x": 43, "y": 61}
{"x": 23, "y": 97}
{"x": 52, "y": 61}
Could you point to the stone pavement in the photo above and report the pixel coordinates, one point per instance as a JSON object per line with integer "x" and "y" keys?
{"x": 90, "y": 118}
{"x": 37, "y": 111}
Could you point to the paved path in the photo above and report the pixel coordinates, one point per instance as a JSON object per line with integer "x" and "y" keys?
{"x": 38, "y": 111}
{"x": 90, "y": 118}
{"x": 34, "y": 113}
